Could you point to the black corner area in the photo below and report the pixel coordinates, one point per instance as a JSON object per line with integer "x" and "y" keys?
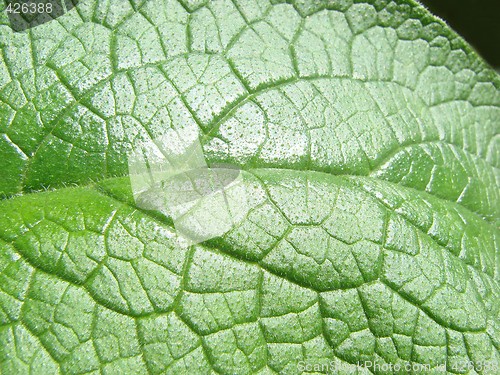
{"x": 26, "y": 14}
{"x": 478, "y": 21}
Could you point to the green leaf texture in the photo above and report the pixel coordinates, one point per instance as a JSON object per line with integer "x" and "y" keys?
{"x": 369, "y": 135}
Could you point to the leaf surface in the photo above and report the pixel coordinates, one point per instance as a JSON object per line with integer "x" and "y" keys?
{"x": 368, "y": 137}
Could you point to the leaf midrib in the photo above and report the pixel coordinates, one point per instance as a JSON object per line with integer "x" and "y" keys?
{"x": 229, "y": 109}
{"x": 345, "y": 177}
{"x": 208, "y": 245}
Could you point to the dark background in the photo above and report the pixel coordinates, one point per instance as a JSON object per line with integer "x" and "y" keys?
{"x": 478, "y": 21}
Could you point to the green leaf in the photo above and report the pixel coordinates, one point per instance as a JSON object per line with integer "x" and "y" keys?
{"x": 368, "y": 136}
